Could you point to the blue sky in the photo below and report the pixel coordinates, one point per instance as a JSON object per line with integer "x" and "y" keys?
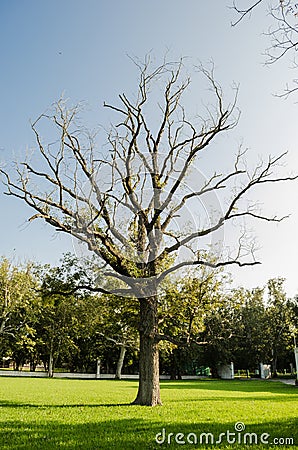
{"x": 80, "y": 49}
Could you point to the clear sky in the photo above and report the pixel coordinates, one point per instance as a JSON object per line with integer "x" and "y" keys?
{"x": 80, "y": 49}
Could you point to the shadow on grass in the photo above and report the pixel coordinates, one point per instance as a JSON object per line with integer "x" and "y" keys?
{"x": 232, "y": 385}
{"x": 8, "y": 404}
{"x": 70, "y": 426}
{"x": 230, "y": 389}
{"x": 126, "y": 434}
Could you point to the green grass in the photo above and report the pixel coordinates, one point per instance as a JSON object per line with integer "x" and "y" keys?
{"x": 95, "y": 414}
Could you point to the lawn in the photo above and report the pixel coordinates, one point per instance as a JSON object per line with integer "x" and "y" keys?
{"x": 95, "y": 414}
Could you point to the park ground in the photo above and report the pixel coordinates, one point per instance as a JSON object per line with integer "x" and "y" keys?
{"x": 96, "y": 414}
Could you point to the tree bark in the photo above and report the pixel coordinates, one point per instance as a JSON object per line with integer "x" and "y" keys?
{"x": 120, "y": 362}
{"x": 149, "y": 389}
{"x": 51, "y": 365}
{"x": 274, "y": 366}
{"x": 32, "y": 365}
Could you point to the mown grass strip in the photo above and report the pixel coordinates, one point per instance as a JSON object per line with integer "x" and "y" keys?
{"x": 96, "y": 414}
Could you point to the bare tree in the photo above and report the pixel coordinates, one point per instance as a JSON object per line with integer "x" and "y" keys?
{"x": 283, "y": 33}
{"x": 130, "y": 202}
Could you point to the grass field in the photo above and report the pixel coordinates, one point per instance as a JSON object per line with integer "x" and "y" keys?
{"x": 95, "y": 414}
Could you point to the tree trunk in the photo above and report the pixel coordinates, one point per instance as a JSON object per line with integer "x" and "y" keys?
{"x": 32, "y": 365}
{"x": 51, "y": 365}
{"x": 120, "y": 362}
{"x": 214, "y": 372}
{"x": 98, "y": 368}
{"x": 149, "y": 390}
{"x": 274, "y": 367}
{"x": 51, "y": 355}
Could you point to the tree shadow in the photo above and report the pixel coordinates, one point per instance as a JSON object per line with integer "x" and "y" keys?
{"x": 70, "y": 426}
{"x": 231, "y": 385}
{"x": 135, "y": 434}
{"x": 7, "y": 404}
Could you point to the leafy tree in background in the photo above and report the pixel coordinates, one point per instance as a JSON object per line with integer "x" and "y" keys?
{"x": 250, "y": 329}
{"x": 18, "y": 309}
{"x": 56, "y": 321}
{"x": 67, "y": 318}
{"x": 93, "y": 322}
{"x": 184, "y": 306}
{"x": 219, "y": 333}
{"x": 279, "y": 323}
{"x": 123, "y": 201}
{"x": 247, "y": 328}
{"x": 16, "y": 288}
{"x": 186, "y": 302}
{"x": 202, "y": 322}
{"x": 118, "y": 326}
{"x": 87, "y": 347}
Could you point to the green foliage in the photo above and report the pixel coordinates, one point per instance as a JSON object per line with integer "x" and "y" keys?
{"x": 17, "y": 288}
{"x": 248, "y": 329}
{"x": 184, "y": 308}
{"x": 280, "y": 322}
{"x": 69, "y": 318}
{"x": 249, "y": 335}
{"x": 201, "y": 322}
{"x": 187, "y": 301}
{"x": 19, "y": 308}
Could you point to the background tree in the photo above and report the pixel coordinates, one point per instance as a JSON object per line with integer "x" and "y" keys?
{"x": 221, "y": 324}
{"x": 56, "y": 322}
{"x": 68, "y": 317}
{"x": 186, "y": 302}
{"x": 247, "y": 328}
{"x": 279, "y": 324}
{"x": 283, "y": 33}
{"x": 124, "y": 201}
{"x": 184, "y": 306}
{"x": 249, "y": 335}
{"x": 18, "y": 308}
{"x": 86, "y": 323}
{"x": 118, "y": 326}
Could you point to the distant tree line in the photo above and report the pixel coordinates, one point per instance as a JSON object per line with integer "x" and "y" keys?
{"x": 48, "y": 318}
